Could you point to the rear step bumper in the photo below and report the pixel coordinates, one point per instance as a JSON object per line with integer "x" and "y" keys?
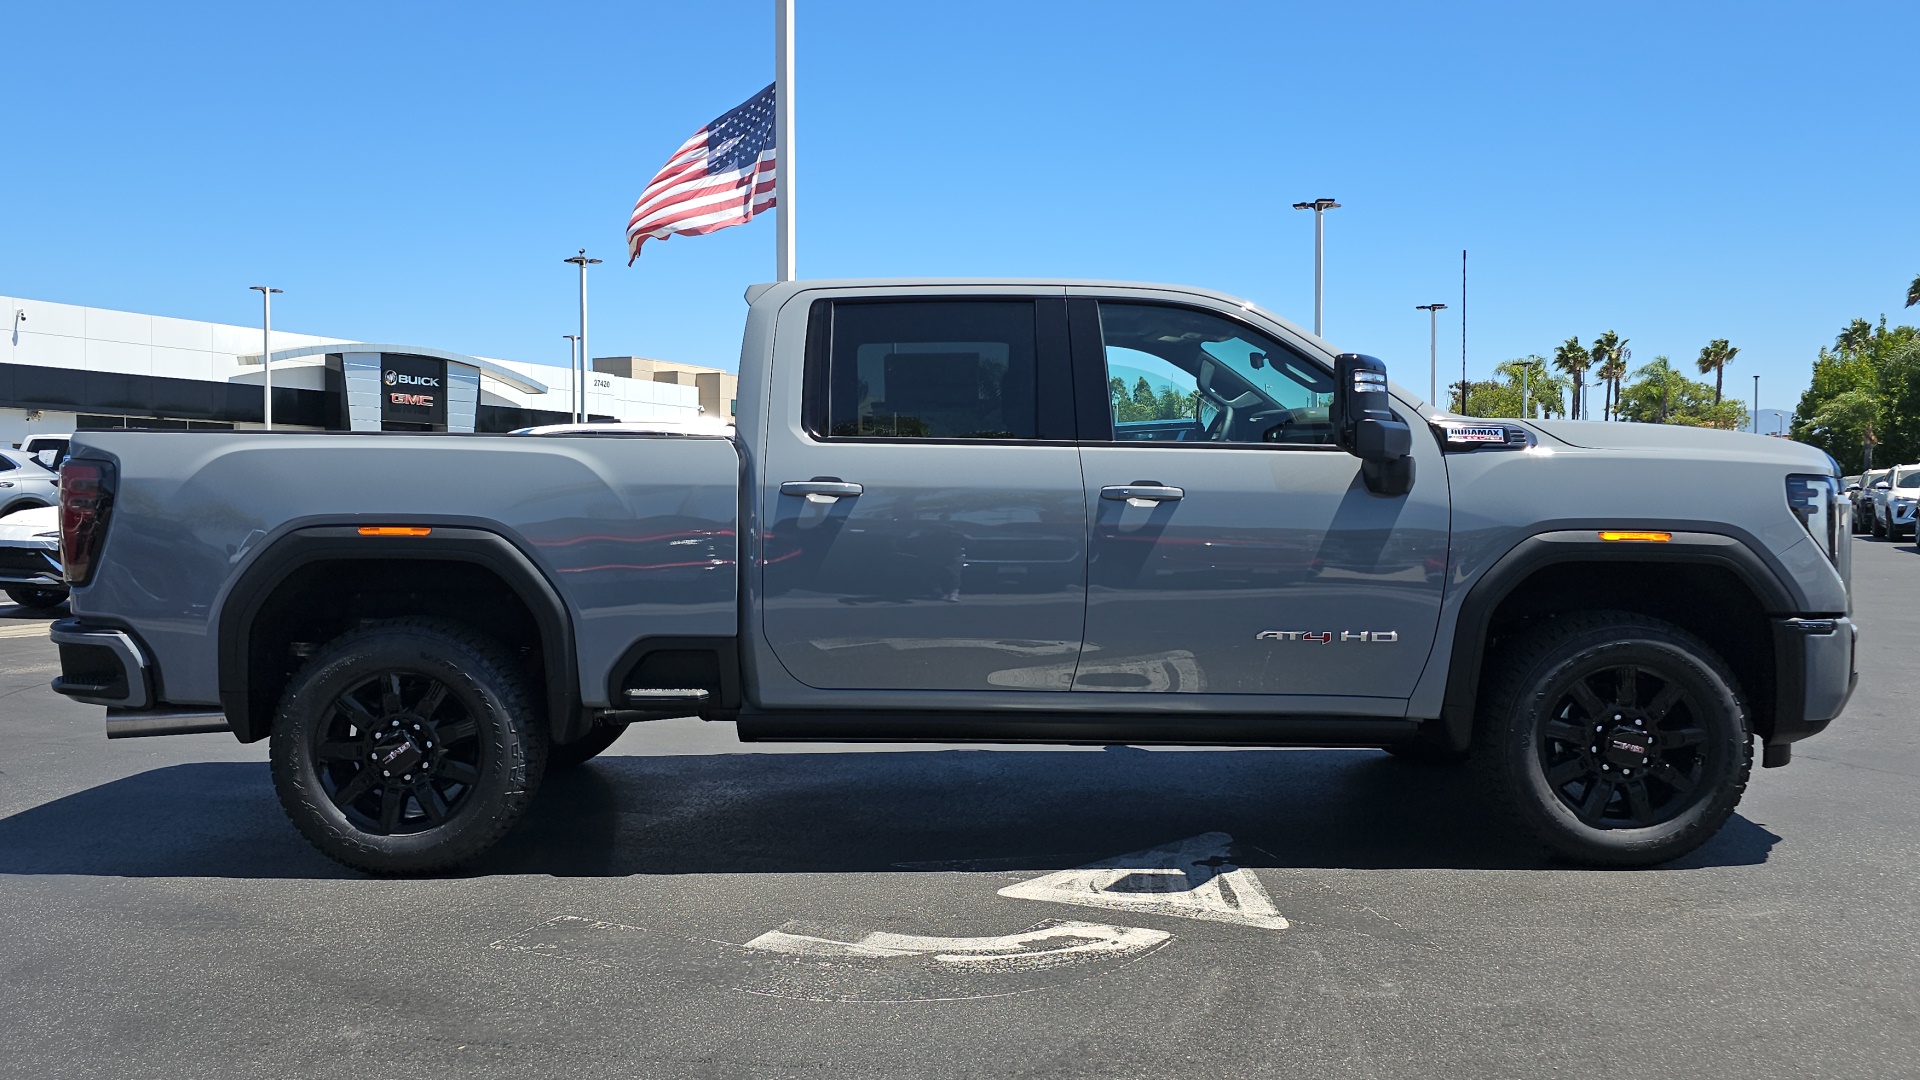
{"x": 101, "y": 666}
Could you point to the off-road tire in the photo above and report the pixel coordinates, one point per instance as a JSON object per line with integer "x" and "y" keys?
{"x": 492, "y": 748}
{"x": 36, "y": 597}
{"x": 1700, "y": 739}
{"x": 580, "y": 751}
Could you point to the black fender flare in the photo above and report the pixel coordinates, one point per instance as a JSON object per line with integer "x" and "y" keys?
{"x": 1564, "y": 545}
{"x": 251, "y": 719}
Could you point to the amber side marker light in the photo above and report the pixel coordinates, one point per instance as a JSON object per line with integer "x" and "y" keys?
{"x": 394, "y": 530}
{"x": 1644, "y": 537}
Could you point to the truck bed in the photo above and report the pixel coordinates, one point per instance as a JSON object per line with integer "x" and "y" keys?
{"x": 635, "y": 533}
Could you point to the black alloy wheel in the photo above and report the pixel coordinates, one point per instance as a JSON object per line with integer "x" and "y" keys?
{"x": 407, "y": 747}
{"x": 399, "y": 753}
{"x": 1621, "y": 749}
{"x": 1614, "y": 738}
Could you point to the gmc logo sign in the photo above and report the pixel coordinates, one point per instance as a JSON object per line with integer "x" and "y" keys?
{"x": 424, "y": 401}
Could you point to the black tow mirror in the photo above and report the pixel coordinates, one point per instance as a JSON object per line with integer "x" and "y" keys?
{"x": 1364, "y": 424}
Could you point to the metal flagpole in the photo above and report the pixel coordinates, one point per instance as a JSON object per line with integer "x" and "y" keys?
{"x": 1463, "y": 331}
{"x": 783, "y": 168}
{"x": 266, "y": 347}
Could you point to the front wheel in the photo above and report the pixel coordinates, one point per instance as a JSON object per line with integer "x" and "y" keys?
{"x": 1616, "y": 739}
{"x": 407, "y": 747}
{"x": 39, "y": 598}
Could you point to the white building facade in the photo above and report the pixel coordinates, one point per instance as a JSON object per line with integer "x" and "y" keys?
{"x": 69, "y": 368}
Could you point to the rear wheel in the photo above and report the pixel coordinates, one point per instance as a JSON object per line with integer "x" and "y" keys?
{"x": 39, "y": 598}
{"x": 407, "y": 747}
{"x": 581, "y": 751}
{"x": 1616, "y": 739}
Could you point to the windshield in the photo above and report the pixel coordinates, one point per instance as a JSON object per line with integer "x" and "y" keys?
{"x": 1908, "y": 480}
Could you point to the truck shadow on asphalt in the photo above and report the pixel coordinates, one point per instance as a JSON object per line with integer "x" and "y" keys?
{"x": 847, "y": 813}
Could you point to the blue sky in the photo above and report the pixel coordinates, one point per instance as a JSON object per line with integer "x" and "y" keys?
{"x": 410, "y": 172}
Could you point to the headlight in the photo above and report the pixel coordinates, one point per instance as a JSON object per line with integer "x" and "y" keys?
{"x": 1817, "y": 502}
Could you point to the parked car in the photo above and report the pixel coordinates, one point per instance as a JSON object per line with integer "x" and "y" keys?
{"x": 49, "y": 450}
{"x": 932, "y": 523}
{"x": 1863, "y": 499}
{"x": 25, "y": 482}
{"x": 30, "y": 557}
{"x": 1893, "y": 501}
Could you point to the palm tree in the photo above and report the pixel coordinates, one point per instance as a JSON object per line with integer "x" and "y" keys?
{"x": 1854, "y": 339}
{"x": 1715, "y": 358}
{"x": 1572, "y": 357}
{"x": 1610, "y": 355}
{"x": 1913, "y": 291}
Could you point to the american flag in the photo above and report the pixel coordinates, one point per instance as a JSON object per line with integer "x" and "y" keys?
{"x": 720, "y": 177}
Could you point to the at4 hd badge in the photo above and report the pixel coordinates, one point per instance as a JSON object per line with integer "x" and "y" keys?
{"x": 1328, "y": 637}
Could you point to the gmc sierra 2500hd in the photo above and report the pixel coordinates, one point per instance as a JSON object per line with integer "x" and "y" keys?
{"x": 977, "y": 510}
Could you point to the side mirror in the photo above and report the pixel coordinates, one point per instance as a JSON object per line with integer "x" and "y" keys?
{"x": 1883, "y": 486}
{"x": 1364, "y": 424}
{"x": 46, "y": 457}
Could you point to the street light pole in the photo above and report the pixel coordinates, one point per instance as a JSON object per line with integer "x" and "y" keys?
{"x": 266, "y": 346}
{"x": 580, "y": 364}
{"x": 1319, "y": 208}
{"x": 1433, "y": 350}
{"x": 573, "y": 365}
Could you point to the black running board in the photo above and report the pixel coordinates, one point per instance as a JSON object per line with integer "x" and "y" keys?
{"x": 1069, "y": 729}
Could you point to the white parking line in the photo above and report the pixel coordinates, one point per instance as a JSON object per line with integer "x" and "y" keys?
{"x": 1068, "y": 941}
{"x": 38, "y": 629}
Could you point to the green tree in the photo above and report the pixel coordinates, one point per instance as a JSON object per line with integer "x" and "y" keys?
{"x": 1522, "y": 387}
{"x": 1662, "y": 394}
{"x": 1609, "y": 356}
{"x": 1143, "y": 402}
{"x": 1572, "y": 357}
{"x": 1913, "y": 291}
{"x": 1880, "y": 362}
{"x": 1714, "y": 358}
{"x": 1850, "y": 417}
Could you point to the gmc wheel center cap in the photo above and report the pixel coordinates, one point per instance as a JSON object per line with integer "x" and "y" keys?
{"x": 397, "y": 753}
{"x": 1627, "y": 747}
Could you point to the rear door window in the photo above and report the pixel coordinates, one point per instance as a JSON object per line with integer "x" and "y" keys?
{"x": 934, "y": 370}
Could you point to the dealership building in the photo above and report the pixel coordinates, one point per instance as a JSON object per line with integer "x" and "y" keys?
{"x": 67, "y": 368}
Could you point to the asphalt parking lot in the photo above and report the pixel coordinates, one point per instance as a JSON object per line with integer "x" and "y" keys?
{"x": 691, "y": 906}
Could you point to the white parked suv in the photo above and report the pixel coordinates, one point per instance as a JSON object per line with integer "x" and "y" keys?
{"x": 1893, "y": 501}
{"x": 25, "y": 482}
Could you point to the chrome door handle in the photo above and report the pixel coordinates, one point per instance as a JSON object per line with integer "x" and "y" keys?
{"x": 826, "y": 487}
{"x": 1148, "y": 490}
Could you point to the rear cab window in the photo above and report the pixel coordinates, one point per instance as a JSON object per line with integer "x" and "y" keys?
{"x": 938, "y": 370}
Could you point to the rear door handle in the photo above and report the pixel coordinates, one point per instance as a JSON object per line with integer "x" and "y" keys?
{"x": 825, "y": 487}
{"x": 1148, "y": 490}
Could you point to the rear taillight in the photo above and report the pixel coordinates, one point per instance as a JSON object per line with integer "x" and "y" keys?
{"x": 86, "y": 497}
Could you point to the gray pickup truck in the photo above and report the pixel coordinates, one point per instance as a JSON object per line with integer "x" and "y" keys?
{"x": 977, "y": 511}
